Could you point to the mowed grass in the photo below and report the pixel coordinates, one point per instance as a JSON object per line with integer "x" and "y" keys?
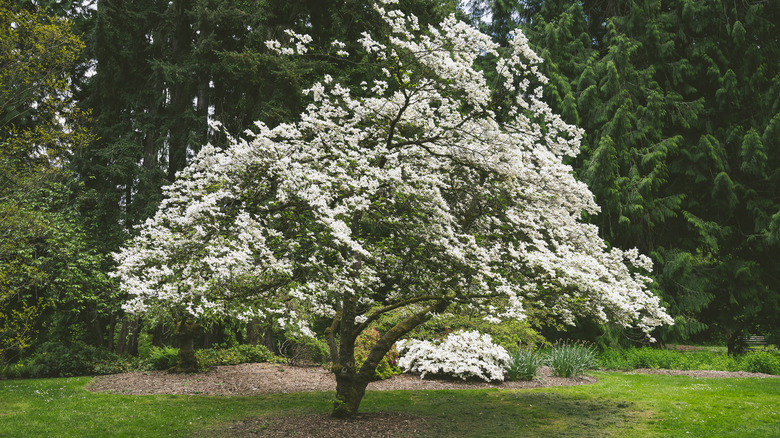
{"x": 619, "y": 405}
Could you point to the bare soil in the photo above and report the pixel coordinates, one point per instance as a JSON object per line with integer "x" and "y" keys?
{"x": 264, "y": 378}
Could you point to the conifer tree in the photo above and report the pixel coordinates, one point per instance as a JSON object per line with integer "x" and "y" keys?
{"x": 678, "y": 100}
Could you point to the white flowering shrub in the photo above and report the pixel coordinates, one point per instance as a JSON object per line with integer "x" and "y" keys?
{"x": 403, "y": 194}
{"x": 462, "y": 355}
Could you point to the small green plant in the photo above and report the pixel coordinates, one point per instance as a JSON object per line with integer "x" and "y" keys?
{"x": 163, "y": 358}
{"x": 17, "y": 370}
{"x": 299, "y": 350}
{"x": 570, "y": 359}
{"x": 523, "y": 364}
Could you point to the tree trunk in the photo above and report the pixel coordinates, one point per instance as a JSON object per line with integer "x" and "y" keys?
{"x": 160, "y": 335}
{"x": 214, "y": 335}
{"x": 185, "y": 334}
{"x": 111, "y": 332}
{"x": 253, "y": 332}
{"x": 128, "y": 336}
{"x": 735, "y": 343}
{"x": 351, "y": 383}
{"x": 350, "y": 389}
{"x": 134, "y": 334}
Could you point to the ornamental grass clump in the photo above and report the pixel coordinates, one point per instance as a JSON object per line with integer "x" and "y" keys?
{"x": 523, "y": 364}
{"x": 462, "y": 355}
{"x": 570, "y": 359}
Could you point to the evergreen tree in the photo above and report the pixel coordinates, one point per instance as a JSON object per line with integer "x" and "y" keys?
{"x": 163, "y": 70}
{"x": 679, "y": 102}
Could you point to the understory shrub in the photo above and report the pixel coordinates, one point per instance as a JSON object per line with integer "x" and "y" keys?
{"x": 17, "y": 370}
{"x": 510, "y": 334}
{"x": 761, "y": 362}
{"x": 162, "y": 358}
{"x": 655, "y": 358}
{"x": 570, "y": 359}
{"x": 388, "y": 366}
{"x": 461, "y": 355}
{"x": 57, "y": 359}
{"x": 524, "y": 363}
{"x": 209, "y": 357}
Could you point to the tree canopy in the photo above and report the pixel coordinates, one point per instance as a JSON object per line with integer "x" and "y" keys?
{"x": 45, "y": 261}
{"x": 404, "y": 194}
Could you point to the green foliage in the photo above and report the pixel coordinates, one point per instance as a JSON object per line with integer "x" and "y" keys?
{"x": 210, "y": 357}
{"x": 388, "y": 366}
{"x": 162, "y": 358}
{"x": 297, "y": 350}
{"x": 523, "y": 364}
{"x": 767, "y": 362}
{"x": 633, "y": 358}
{"x": 681, "y": 145}
{"x": 49, "y": 274}
{"x": 508, "y": 334}
{"x": 56, "y": 359}
{"x": 570, "y": 359}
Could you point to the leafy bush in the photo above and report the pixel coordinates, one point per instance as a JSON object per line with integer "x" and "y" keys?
{"x": 761, "y": 362}
{"x": 523, "y": 364}
{"x": 462, "y": 355}
{"x": 633, "y": 358}
{"x": 162, "y": 358}
{"x": 56, "y": 359}
{"x": 117, "y": 365}
{"x": 570, "y": 359}
{"x": 17, "y": 370}
{"x": 388, "y": 366}
{"x": 234, "y": 355}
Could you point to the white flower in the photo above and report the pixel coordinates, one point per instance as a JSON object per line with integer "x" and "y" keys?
{"x": 414, "y": 189}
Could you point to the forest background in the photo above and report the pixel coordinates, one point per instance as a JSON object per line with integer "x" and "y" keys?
{"x": 102, "y": 102}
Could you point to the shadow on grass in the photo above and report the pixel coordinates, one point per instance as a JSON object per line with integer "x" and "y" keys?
{"x": 512, "y": 413}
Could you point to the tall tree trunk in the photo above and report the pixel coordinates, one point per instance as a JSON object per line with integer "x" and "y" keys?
{"x": 214, "y": 335}
{"x": 111, "y": 332}
{"x": 128, "y": 336}
{"x": 181, "y": 95}
{"x": 134, "y": 332}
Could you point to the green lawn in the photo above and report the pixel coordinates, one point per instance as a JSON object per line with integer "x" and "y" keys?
{"x": 618, "y": 405}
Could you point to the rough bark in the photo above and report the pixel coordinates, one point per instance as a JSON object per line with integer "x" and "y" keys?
{"x": 351, "y": 383}
{"x": 185, "y": 335}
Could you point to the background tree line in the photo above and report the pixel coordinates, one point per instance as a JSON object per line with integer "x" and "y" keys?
{"x": 103, "y": 101}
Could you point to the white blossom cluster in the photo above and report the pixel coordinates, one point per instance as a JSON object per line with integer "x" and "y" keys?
{"x": 405, "y": 191}
{"x": 462, "y": 354}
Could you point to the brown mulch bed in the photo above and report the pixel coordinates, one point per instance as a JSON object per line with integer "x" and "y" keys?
{"x": 264, "y": 378}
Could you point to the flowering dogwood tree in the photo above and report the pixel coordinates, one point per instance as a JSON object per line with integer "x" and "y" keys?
{"x": 407, "y": 194}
